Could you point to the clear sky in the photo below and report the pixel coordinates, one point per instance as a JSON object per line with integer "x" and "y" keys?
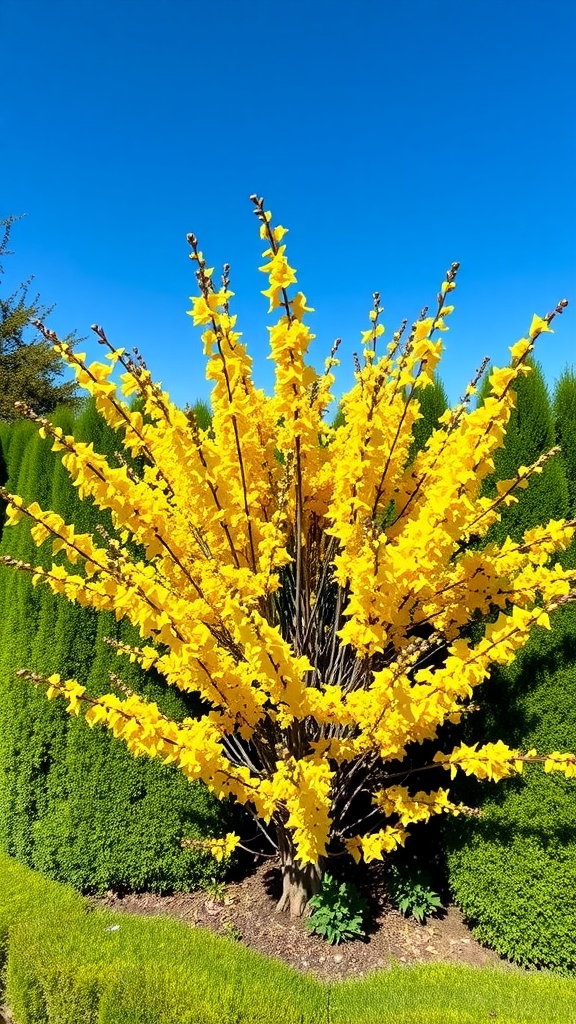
{"x": 391, "y": 136}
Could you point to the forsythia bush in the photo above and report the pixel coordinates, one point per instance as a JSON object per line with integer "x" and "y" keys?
{"x": 312, "y": 583}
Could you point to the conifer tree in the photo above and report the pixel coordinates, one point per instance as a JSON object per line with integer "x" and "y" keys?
{"x": 29, "y": 367}
{"x": 94, "y": 816}
{"x": 201, "y": 413}
{"x": 565, "y": 422}
{"x": 530, "y": 435}
{"x": 29, "y": 738}
{"x": 14, "y": 437}
{"x": 5, "y": 431}
{"x": 433, "y": 401}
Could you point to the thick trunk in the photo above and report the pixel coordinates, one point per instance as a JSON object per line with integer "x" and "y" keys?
{"x": 299, "y": 881}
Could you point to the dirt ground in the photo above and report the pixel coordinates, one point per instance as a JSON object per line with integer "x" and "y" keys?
{"x": 245, "y": 910}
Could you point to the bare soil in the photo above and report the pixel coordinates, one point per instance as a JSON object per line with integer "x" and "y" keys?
{"x": 245, "y": 910}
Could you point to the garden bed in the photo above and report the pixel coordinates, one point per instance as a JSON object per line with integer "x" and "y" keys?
{"x": 245, "y": 910}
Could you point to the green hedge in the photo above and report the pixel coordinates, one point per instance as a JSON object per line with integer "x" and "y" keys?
{"x": 74, "y": 802}
{"x": 66, "y": 963}
{"x": 564, "y": 406}
{"x": 433, "y": 402}
{"x": 530, "y": 434}
{"x": 513, "y": 871}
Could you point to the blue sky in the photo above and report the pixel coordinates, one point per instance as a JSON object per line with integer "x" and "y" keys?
{"x": 391, "y": 136}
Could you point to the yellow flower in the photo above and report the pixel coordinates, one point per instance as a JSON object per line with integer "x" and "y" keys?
{"x": 538, "y": 326}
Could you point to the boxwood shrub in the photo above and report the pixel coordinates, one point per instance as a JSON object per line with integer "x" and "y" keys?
{"x": 513, "y": 871}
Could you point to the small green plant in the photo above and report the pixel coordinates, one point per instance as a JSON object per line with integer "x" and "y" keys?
{"x": 337, "y": 911}
{"x": 412, "y": 893}
{"x": 216, "y": 890}
{"x": 230, "y": 931}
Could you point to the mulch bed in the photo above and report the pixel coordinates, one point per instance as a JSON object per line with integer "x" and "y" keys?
{"x": 245, "y": 910}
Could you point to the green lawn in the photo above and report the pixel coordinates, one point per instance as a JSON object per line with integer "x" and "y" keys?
{"x": 66, "y": 963}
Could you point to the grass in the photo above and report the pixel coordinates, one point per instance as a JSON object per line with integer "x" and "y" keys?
{"x": 447, "y": 994}
{"x": 68, "y": 964}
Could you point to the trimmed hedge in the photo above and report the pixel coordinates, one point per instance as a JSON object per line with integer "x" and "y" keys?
{"x": 513, "y": 871}
{"x": 68, "y": 964}
{"x": 74, "y": 803}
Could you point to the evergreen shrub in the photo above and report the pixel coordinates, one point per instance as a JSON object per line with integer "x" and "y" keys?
{"x": 74, "y": 803}
{"x": 530, "y": 434}
{"x": 564, "y": 404}
{"x": 4, "y": 438}
{"x": 513, "y": 871}
{"x": 433, "y": 402}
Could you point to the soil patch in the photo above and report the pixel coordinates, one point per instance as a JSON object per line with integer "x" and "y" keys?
{"x": 245, "y": 910}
